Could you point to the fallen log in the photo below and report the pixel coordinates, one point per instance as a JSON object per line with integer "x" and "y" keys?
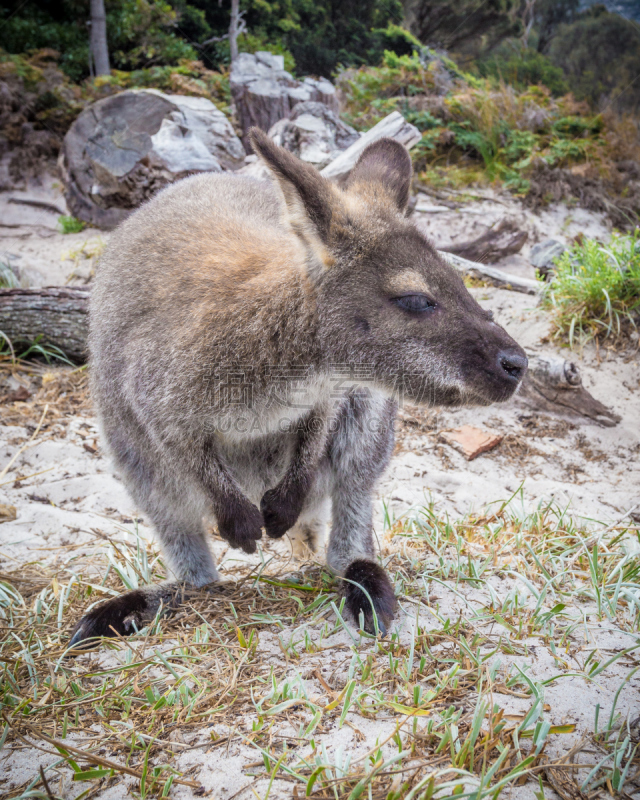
{"x": 491, "y": 274}
{"x": 555, "y": 384}
{"x": 56, "y": 315}
{"x": 503, "y": 239}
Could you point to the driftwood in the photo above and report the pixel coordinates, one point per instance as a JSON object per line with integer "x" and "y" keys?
{"x": 503, "y": 239}
{"x": 58, "y": 314}
{"x": 26, "y": 201}
{"x": 394, "y": 126}
{"x": 553, "y": 384}
{"x": 495, "y": 276}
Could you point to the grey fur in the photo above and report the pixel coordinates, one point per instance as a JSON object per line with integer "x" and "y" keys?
{"x": 280, "y": 282}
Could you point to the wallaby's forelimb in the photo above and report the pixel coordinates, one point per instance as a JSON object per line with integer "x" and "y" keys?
{"x": 281, "y": 506}
{"x": 239, "y": 521}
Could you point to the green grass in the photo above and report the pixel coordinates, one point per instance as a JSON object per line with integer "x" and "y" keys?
{"x": 596, "y": 290}
{"x": 71, "y": 224}
{"x": 8, "y": 278}
{"x": 38, "y": 348}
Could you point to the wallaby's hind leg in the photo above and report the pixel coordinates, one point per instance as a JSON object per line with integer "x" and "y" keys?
{"x": 177, "y": 517}
{"x": 359, "y": 453}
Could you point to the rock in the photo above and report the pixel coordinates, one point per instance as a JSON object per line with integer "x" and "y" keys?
{"x": 543, "y": 256}
{"x": 264, "y": 92}
{"x": 471, "y": 441}
{"x": 122, "y": 150}
{"x": 314, "y": 133}
{"x": 311, "y": 141}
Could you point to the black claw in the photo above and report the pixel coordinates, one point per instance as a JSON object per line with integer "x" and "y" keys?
{"x": 121, "y": 615}
{"x": 374, "y": 580}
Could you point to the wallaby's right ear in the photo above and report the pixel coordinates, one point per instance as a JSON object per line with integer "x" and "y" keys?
{"x": 383, "y": 167}
{"x": 309, "y": 197}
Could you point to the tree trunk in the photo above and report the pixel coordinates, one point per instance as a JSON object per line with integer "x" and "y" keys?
{"x": 233, "y": 30}
{"x": 99, "y": 47}
{"x": 57, "y": 314}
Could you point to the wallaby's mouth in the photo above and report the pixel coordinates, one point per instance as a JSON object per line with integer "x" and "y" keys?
{"x": 495, "y": 379}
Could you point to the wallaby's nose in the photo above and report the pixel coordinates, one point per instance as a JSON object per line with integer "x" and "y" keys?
{"x": 514, "y": 364}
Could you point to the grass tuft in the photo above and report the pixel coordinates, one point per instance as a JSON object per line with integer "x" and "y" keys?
{"x": 71, "y": 224}
{"x": 596, "y": 289}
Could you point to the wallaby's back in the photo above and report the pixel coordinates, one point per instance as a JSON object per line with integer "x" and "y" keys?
{"x": 205, "y": 272}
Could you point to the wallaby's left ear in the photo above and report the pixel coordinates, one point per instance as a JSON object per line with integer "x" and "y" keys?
{"x": 309, "y": 197}
{"x": 384, "y": 165}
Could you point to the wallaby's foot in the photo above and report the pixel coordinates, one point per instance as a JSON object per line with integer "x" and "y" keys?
{"x": 280, "y": 509}
{"x": 125, "y": 614}
{"x": 241, "y": 526}
{"x": 375, "y": 581}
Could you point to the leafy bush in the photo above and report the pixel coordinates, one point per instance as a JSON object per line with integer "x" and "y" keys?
{"x": 522, "y": 68}
{"x": 140, "y": 33}
{"x": 475, "y": 124}
{"x": 71, "y": 224}
{"x": 596, "y": 290}
{"x": 600, "y": 57}
{"x": 144, "y": 32}
{"x": 317, "y": 36}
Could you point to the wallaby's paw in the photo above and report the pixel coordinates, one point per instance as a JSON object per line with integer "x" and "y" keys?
{"x": 374, "y": 580}
{"x": 280, "y": 510}
{"x": 242, "y": 527}
{"x": 123, "y": 615}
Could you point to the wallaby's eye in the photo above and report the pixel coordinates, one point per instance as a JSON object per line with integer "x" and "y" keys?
{"x": 414, "y": 303}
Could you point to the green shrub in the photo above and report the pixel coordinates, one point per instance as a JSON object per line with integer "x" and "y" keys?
{"x": 599, "y": 54}
{"x": 524, "y": 67}
{"x": 596, "y": 290}
{"x": 71, "y": 224}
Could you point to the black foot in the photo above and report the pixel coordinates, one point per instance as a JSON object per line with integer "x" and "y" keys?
{"x": 280, "y": 510}
{"x": 371, "y": 577}
{"x": 122, "y": 615}
{"x": 240, "y": 525}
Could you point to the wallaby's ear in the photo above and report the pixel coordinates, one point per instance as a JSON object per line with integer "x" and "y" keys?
{"x": 384, "y": 165}
{"x": 309, "y": 198}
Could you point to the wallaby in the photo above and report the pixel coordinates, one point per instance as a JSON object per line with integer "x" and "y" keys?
{"x": 223, "y": 315}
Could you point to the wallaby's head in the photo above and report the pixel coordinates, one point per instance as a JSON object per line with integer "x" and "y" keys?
{"x": 386, "y": 299}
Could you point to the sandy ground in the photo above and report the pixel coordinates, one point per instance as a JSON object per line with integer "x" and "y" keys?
{"x": 68, "y": 501}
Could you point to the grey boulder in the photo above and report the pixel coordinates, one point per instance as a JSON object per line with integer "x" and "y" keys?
{"x": 264, "y": 92}
{"x": 122, "y": 150}
{"x": 314, "y": 133}
{"x": 543, "y": 255}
